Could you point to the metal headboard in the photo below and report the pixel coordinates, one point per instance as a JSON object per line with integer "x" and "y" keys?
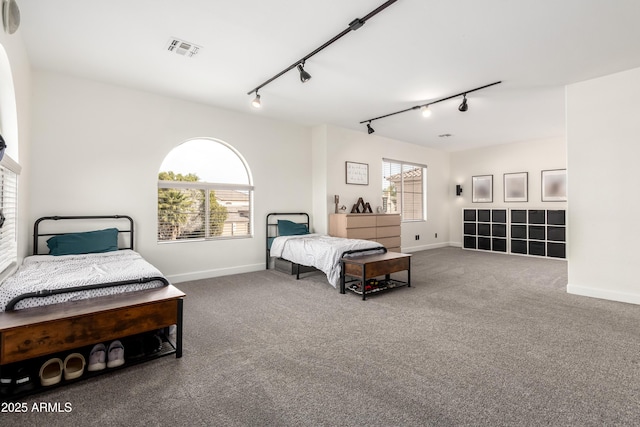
{"x": 272, "y": 227}
{"x": 37, "y": 235}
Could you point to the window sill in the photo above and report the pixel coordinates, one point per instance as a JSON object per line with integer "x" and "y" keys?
{"x": 214, "y": 239}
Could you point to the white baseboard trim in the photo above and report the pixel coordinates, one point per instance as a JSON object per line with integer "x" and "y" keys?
{"x": 603, "y": 294}
{"x": 217, "y": 272}
{"x": 425, "y": 247}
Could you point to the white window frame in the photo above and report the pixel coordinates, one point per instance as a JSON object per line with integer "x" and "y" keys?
{"x": 9, "y": 173}
{"x": 207, "y": 187}
{"x": 231, "y": 225}
{"x": 402, "y": 165}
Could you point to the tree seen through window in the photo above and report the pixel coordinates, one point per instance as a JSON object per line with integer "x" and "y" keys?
{"x": 190, "y": 207}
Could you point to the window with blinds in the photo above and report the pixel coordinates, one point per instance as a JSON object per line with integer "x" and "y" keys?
{"x": 201, "y": 210}
{"x": 8, "y": 215}
{"x": 204, "y": 192}
{"x": 404, "y": 189}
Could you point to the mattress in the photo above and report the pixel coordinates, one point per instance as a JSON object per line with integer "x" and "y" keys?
{"x": 45, "y": 272}
{"x": 319, "y": 251}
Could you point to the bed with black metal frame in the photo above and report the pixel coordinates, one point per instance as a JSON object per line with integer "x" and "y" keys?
{"x": 302, "y": 218}
{"x": 27, "y": 334}
{"x": 272, "y": 232}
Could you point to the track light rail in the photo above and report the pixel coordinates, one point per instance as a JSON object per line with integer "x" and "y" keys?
{"x": 353, "y": 25}
{"x": 417, "y": 107}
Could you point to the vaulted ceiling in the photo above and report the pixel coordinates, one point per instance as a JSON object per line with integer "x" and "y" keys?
{"x": 412, "y": 53}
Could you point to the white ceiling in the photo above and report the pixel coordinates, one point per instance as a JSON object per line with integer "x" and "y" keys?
{"x": 414, "y": 52}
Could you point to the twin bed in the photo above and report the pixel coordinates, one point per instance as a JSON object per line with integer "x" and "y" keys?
{"x": 289, "y": 238}
{"x": 92, "y": 287}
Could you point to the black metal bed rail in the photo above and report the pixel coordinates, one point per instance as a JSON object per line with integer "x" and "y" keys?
{"x": 272, "y": 225}
{"x": 37, "y": 235}
{"x": 382, "y": 249}
{"x": 48, "y": 292}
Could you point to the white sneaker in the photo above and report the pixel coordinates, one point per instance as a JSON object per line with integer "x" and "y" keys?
{"x": 115, "y": 356}
{"x": 97, "y": 358}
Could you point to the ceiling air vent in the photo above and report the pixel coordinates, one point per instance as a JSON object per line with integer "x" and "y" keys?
{"x": 182, "y": 47}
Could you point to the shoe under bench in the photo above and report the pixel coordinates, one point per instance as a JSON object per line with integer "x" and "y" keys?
{"x": 35, "y": 333}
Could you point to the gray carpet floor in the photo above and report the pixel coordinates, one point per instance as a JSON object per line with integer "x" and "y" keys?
{"x": 479, "y": 339}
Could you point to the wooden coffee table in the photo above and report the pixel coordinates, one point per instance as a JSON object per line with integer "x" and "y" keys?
{"x": 372, "y": 266}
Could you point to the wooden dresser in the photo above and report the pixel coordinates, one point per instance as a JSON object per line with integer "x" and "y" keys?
{"x": 382, "y": 228}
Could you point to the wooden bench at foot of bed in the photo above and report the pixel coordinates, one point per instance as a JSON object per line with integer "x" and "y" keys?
{"x": 40, "y": 331}
{"x": 367, "y": 267}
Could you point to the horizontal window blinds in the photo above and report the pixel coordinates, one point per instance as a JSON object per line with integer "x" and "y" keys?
{"x": 196, "y": 210}
{"x": 8, "y": 215}
{"x": 404, "y": 189}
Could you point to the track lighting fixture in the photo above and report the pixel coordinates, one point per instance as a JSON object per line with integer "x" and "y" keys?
{"x": 304, "y": 76}
{"x": 463, "y": 107}
{"x": 424, "y": 108}
{"x": 370, "y": 130}
{"x": 299, "y": 64}
{"x": 256, "y": 101}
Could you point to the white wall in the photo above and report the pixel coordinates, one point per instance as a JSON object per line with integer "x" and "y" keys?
{"x": 603, "y": 134}
{"x": 531, "y": 157}
{"x": 15, "y": 124}
{"x": 319, "y": 218}
{"x": 338, "y": 145}
{"x": 97, "y": 149}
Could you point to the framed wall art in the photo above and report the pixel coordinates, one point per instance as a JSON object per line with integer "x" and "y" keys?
{"x": 482, "y": 189}
{"x": 554, "y": 185}
{"x": 357, "y": 173}
{"x": 516, "y": 187}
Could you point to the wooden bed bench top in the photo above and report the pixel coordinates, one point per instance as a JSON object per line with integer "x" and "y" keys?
{"x": 38, "y": 331}
{"x": 30, "y": 316}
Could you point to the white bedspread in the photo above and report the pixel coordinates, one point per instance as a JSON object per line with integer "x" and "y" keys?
{"x": 42, "y": 272}
{"x": 319, "y": 251}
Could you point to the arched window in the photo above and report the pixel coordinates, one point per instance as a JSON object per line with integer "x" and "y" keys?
{"x": 9, "y": 170}
{"x": 205, "y": 191}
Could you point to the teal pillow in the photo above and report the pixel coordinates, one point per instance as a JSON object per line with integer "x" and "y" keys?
{"x": 84, "y": 243}
{"x": 290, "y": 228}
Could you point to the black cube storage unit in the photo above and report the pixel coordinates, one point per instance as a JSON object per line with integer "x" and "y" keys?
{"x": 485, "y": 229}
{"x": 538, "y": 232}
{"x": 535, "y": 232}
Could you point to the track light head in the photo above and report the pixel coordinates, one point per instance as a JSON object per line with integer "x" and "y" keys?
{"x": 426, "y": 111}
{"x": 256, "y": 101}
{"x": 370, "y": 130}
{"x": 304, "y": 76}
{"x": 463, "y": 107}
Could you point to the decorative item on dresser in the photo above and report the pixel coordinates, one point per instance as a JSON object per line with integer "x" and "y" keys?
{"x": 381, "y": 228}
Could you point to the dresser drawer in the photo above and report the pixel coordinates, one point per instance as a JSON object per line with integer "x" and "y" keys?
{"x": 383, "y": 228}
{"x": 361, "y": 221}
{"x": 388, "y": 231}
{"x": 386, "y": 220}
{"x": 367, "y": 233}
{"x": 389, "y": 242}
